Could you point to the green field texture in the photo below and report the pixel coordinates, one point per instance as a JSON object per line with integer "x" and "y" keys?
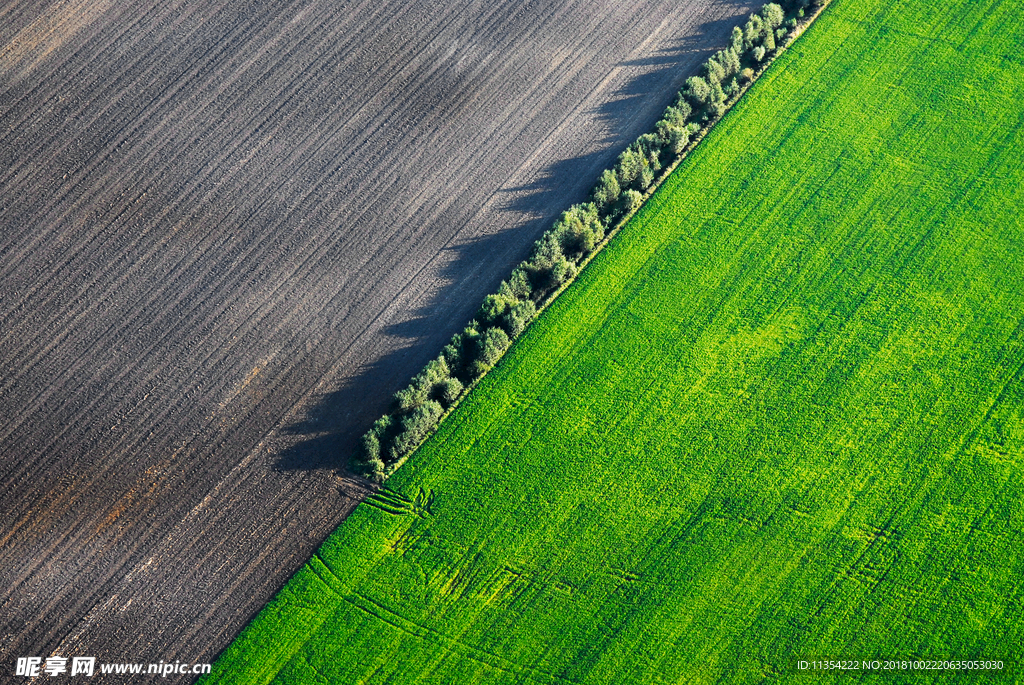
{"x": 779, "y": 417}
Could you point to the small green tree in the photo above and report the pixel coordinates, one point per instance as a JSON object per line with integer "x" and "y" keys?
{"x": 448, "y": 391}
{"x": 679, "y": 138}
{"x": 736, "y": 40}
{"x": 415, "y": 426}
{"x": 698, "y": 91}
{"x": 646, "y": 178}
{"x": 368, "y": 458}
{"x": 564, "y": 270}
{"x": 383, "y": 427}
{"x": 546, "y": 251}
{"x": 607, "y": 190}
{"x": 631, "y": 163}
{"x": 408, "y": 397}
{"x": 753, "y": 31}
{"x": 716, "y": 103}
{"x": 519, "y": 317}
{"x": 470, "y": 348}
{"x": 495, "y": 342}
{"x": 773, "y": 15}
{"x": 519, "y": 283}
{"x": 682, "y": 106}
{"x": 631, "y": 201}
{"x": 677, "y": 116}
{"x": 492, "y": 308}
{"x": 579, "y": 229}
{"x": 649, "y": 145}
{"x": 731, "y": 88}
{"x": 369, "y": 447}
{"x": 374, "y": 470}
{"x": 730, "y": 60}
{"x": 436, "y": 370}
{"x": 452, "y": 354}
{"x": 714, "y": 70}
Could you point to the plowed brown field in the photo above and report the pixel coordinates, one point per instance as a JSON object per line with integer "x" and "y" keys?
{"x": 228, "y": 232}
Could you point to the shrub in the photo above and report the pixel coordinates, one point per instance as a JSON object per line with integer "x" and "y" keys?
{"x": 631, "y": 201}
{"x": 732, "y": 88}
{"x": 495, "y": 342}
{"x": 753, "y": 31}
{"x": 519, "y": 317}
{"x": 408, "y": 398}
{"x": 579, "y": 229}
{"x": 492, "y": 309}
{"x": 698, "y": 91}
{"x": 675, "y": 137}
{"x": 415, "y": 426}
{"x": 448, "y": 390}
{"x": 374, "y": 470}
{"x": 564, "y": 270}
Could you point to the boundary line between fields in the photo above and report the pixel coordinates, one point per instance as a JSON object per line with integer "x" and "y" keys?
{"x": 663, "y": 175}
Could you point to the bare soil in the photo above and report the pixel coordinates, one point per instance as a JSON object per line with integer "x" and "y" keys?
{"x": 228, "y": 232}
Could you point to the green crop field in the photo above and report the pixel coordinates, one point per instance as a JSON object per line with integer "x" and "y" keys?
{"x": 780, "y": 417}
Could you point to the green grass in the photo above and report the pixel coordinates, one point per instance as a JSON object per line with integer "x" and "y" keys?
{"x": 781, "y": 416}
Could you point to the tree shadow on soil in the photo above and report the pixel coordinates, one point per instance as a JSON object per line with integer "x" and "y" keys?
{"x": 655, "y": 89}
{"x": 330, "y": 430}
{"x": 557, "y": 188}
{"x": 632, "y": 111}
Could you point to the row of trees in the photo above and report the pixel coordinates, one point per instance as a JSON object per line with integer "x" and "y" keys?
{"x": 559, "y": 253}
